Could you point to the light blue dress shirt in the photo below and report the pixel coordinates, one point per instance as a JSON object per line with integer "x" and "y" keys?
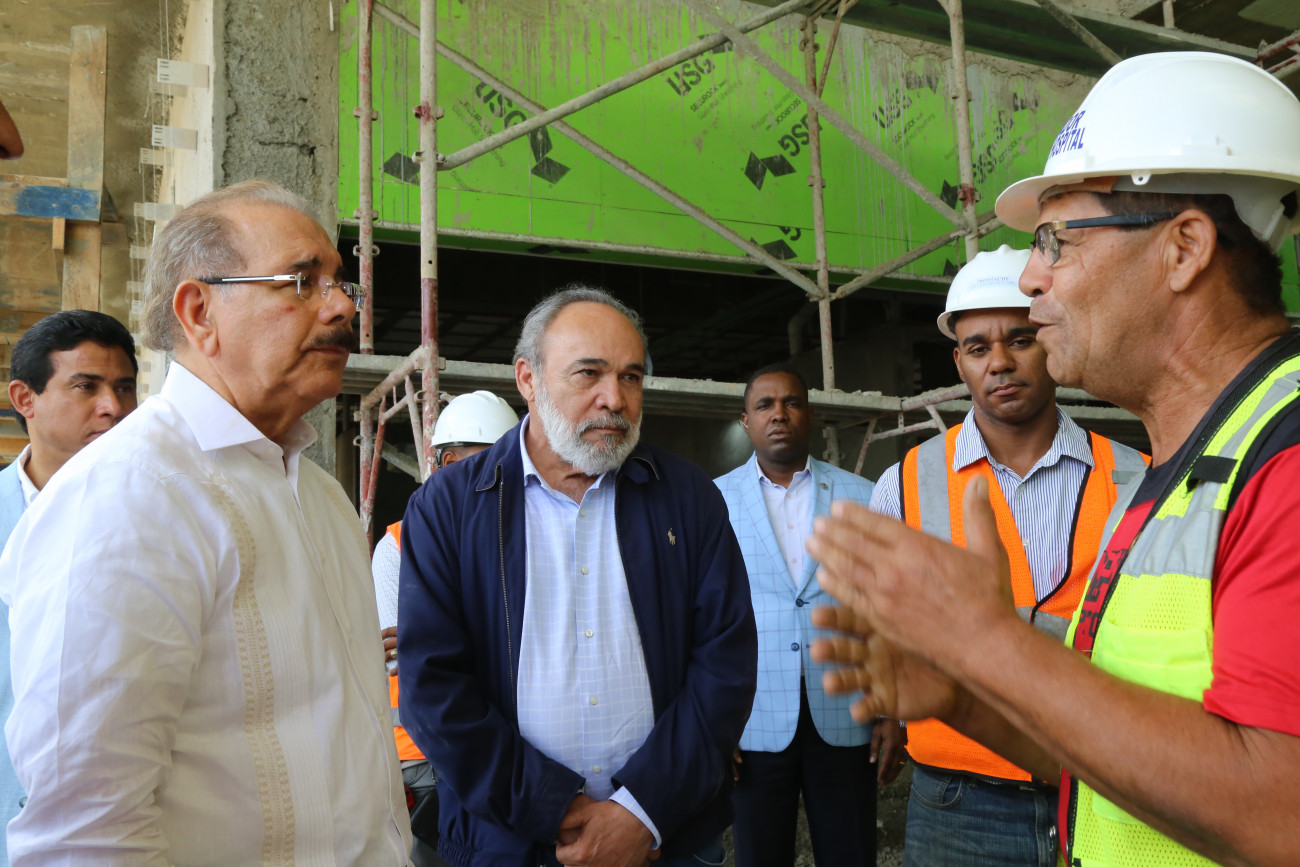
{"x": 584, "y": 692}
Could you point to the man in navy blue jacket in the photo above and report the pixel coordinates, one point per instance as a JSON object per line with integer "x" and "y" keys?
{"x": 576, "y": 648}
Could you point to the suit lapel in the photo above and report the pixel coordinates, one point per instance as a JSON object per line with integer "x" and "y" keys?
{"x": 822, "y": 491}
{"x": 756, "y": 513}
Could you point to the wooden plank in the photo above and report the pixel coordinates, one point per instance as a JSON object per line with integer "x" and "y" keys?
{"x": 22, "y": 200}
{"x": 28, "y": 280}
{"x": 86, "y": 93}
{"x": 86, "y": 90}
{"x": 81, "y": 266}
{"x": 58, "y": 244}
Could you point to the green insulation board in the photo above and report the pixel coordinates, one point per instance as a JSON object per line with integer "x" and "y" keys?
{"x": 719, "y": 130}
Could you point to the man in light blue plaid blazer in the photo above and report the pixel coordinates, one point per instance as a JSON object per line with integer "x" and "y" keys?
{"x": 798, "y": 739}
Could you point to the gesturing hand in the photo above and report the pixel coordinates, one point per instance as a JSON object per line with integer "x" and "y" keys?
{"x": 927, "y": 597}
{"x": 892, "y": 683}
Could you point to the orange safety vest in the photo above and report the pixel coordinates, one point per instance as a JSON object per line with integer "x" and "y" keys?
{"x": 407, "y": 751}
{"x": 930, "y": 742}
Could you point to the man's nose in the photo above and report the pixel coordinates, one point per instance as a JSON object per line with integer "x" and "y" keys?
{"x": 1036, "y": 279}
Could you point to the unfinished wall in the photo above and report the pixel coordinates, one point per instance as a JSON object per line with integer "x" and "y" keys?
{"x": 276, "y": 117}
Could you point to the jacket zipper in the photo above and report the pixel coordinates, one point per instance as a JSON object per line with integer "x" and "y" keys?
{"x": 505, "y": 598}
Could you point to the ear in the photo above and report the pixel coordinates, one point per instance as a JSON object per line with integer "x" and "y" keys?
{"x": 22, "y": 398}
{"x": 956, "y": 361}
{"x": 744, "y": 420}
{"x": 524, "y": 381}
{"x": 1191, "y": 239}
{"x": 449, "y": 457}
{"x": 192, "y": 303}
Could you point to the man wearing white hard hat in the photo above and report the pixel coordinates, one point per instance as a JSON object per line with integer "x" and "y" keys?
{"x": 1172, "y": 712}
{"x": 1055, "y": 484}
{"x": 467, "y": 425}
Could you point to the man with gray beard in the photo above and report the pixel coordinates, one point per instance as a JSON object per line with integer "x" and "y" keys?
{"x": 576, "y": 644}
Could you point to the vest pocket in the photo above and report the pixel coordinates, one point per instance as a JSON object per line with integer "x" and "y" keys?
{"x": 1176, "y": 662}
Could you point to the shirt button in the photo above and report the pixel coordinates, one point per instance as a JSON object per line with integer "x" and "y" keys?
{"x": 594, "y": 700}
{"x": 584, "y": 570}
{"x": 590, "y": 633}
{"x": 794, "y": 645}
{"x": 596, "y": 769}
{"x": 789, "y": 526}
{"x": 582, "y": 513}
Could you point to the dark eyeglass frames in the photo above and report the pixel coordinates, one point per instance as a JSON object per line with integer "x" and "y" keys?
{"x": 1045, "y": 235}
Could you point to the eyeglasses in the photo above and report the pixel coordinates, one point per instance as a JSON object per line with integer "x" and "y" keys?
{"x": 302, "y": 283}
{"x": 1045, "y": 235}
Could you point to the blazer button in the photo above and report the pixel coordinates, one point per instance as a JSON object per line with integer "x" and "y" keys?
{"x": 794, "y": 645}
{"x": 799, "y": 603}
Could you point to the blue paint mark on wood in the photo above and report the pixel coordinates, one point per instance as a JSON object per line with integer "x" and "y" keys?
{"x": 48, "y": 202}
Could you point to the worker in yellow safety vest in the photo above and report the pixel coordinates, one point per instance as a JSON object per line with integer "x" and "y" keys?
{"x": 1051, "y": 484}
{"x": 467, "y": 425}
{"x": 1171, "y": 712}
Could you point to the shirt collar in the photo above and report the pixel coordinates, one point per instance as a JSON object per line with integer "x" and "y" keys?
{"x": 218, "y": 425}
{"x": 24, "y": 481}
{"x": 806, "y": 472}
{"x": 1070, "y": 441}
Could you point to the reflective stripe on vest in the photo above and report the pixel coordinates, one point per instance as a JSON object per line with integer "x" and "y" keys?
{"x": 407, "y": 751}
{"x": 932, "y": 502}
{"x": 1156, "y": 628}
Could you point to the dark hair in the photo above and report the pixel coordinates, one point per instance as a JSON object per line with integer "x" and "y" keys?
{"x": 1255, "y": 271}
{"x": 30, "y": 362}
{"x": 779, "y": 367}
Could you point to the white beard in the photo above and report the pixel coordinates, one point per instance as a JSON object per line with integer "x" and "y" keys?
{"x": 565, "y": 437}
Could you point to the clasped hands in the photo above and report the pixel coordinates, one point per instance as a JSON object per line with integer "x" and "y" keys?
{"x": 913, "y": 606}
{"x": 603, "y": 834}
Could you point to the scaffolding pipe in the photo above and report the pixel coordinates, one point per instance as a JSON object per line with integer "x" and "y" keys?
{"x": 834, "y": 118}
{"x": 623, "y": 82}
{"x": 366, "y": 192}
{"x": 818, "y": 185}
{"x": 394, "y": 378}
{"x": 417, "y": 426}
{"x": 1281, "y": 44}
{"x": 1070, "y": 23}
{"x": 365, "y": 250}
{"x": 965, "y": 149}
{"x": 755, "y": 252}
{"x": 428, "y": 113}
{"x": 987, "y": 223}
{"x": 372, "y": 481}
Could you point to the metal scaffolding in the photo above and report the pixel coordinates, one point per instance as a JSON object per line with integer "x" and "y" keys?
{"x": 396, "y": 393}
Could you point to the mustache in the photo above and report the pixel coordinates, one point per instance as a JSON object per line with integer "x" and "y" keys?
{"x": 342, "y": 336}
{"x": 610, "y": 420}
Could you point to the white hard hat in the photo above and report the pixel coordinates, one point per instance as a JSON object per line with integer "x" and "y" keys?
{"x": 479, "y": 417}
{"x": 988, "y": 281}
{"x": 1180, "y": 122}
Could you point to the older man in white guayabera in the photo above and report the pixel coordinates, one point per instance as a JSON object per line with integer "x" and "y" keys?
{"x": 198, "y": 679}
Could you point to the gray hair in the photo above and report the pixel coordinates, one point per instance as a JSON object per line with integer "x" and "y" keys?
{"x": 539, "y": 319}
{"x": 199, "y": 242}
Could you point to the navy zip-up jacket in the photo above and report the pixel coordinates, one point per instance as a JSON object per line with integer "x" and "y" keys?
{"x": 461, "y": 607}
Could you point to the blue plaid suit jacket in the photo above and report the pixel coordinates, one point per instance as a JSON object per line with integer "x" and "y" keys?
{"x": 784, "y": 613}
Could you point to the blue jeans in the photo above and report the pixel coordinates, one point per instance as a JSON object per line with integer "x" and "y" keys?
{"x": 956, "y": 820}
{"x": 712, "y": 854}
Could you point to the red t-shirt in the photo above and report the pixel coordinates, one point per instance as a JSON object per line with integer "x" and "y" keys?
{"x": 1255, "y": 598}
